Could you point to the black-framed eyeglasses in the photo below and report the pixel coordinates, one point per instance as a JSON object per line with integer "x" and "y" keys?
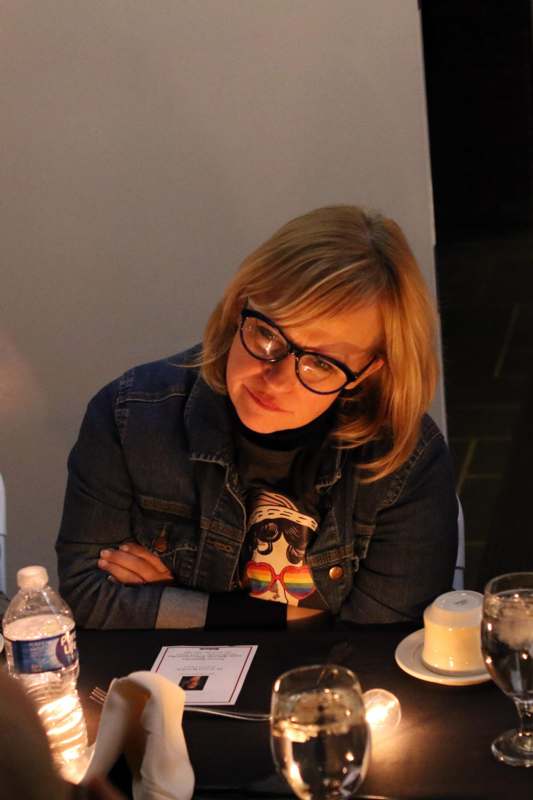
{"x": 321, "y": 374}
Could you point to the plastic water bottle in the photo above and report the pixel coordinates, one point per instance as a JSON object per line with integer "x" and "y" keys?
{"x": 41, "y": 652}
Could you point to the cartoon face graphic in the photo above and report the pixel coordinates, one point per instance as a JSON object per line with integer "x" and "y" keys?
{"x": 279, "y": 536}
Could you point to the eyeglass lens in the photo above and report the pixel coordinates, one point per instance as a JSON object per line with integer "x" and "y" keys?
{"x": 266, "y": 343}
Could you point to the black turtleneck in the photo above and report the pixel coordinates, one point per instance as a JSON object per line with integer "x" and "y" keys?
{"x": 291, "y": 438}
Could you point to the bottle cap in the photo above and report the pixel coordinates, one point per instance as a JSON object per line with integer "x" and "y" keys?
{"x": 32, "y": 578}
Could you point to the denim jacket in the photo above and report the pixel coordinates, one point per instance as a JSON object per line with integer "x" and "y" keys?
{"x": 154, "y": 462}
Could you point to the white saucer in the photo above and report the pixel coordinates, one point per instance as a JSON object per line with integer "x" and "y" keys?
{"x": 408, "y": 656}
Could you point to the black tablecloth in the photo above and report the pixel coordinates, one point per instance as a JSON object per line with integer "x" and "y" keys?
{"x": 440, "y": 750}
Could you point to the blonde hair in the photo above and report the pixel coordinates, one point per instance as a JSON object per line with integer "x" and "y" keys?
{"x": 332, "y": 260}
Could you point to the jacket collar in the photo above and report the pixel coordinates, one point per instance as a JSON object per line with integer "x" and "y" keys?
{"x": 208, "y": 425}
{"x": 210, "y": 432}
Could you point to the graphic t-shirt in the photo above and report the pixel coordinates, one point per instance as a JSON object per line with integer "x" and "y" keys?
{"x": 278, "y": 472}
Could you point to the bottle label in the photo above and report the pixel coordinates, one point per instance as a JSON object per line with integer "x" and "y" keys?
{"x": 45, "y": 655}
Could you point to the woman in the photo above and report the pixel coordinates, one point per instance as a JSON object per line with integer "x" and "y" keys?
{"x": 289, "y": 458}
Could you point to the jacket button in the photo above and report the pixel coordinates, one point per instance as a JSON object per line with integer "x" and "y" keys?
{"x": 336, "y": 573}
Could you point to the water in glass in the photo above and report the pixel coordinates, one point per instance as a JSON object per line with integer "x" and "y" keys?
{"x": 507, "y": 644}
{"x": 319, "y": 736}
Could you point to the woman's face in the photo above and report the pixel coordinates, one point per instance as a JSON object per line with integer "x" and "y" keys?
{"x": 269, "y": 397}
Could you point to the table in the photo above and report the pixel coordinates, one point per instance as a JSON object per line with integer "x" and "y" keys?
{"x": 440, "y": 750}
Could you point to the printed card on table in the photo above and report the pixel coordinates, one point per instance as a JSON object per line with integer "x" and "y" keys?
{"x": 209, "y": 674}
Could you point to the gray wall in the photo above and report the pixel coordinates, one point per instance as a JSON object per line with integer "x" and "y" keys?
{"x": 147, "y": 147}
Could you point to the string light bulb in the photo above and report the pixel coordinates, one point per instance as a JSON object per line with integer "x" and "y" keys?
{"x": 382, "y": 710}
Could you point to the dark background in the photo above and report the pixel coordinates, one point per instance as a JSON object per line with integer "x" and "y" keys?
{"x": 478, "y": 62}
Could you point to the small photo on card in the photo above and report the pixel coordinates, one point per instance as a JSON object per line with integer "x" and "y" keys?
{"x": 193, "y": 683}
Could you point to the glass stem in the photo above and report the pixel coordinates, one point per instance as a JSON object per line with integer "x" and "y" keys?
{"x": 525, "y": 729}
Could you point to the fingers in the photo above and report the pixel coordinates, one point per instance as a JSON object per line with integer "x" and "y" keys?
{"x": 109, "y": 564}
{"x": 141, "y": 552}
{"x": 130, "y": 564}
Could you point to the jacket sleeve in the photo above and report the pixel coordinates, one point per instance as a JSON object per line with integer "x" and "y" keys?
{"x": 412, "y": 553}
{"x": 96, "y": 515}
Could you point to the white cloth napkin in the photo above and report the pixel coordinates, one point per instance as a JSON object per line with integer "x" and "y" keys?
{"x": 142, "y": 718}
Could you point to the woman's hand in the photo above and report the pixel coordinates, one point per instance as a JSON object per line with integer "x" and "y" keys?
{"x": 132, "y": 563}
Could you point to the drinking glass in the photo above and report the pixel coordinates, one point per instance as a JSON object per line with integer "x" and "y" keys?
{"x": 318, "y": 732}
{"x": 507, "y": 644}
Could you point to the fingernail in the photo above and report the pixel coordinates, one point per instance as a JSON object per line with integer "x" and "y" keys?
{"x": 104, "y": 553}
{"x": 102, "y": 563}
{"x": 124, "y": 547}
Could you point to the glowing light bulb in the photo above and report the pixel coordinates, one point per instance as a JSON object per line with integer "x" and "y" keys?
{"x": 382, "y": 710}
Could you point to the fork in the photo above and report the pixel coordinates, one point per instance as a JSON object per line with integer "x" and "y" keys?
{"x": 98, "y": 696}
